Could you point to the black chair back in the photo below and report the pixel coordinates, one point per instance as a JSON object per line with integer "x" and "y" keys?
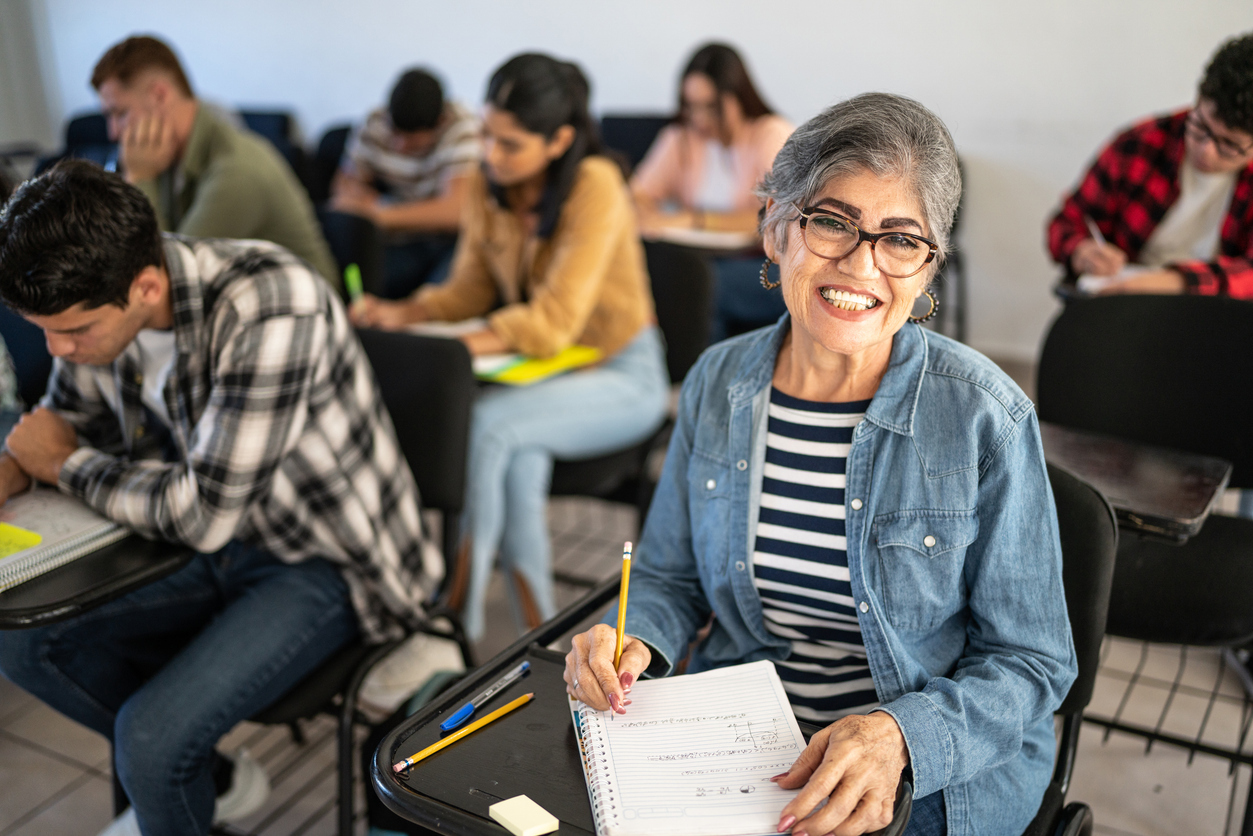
{"x": 31, "y": 361}
{"x": 87, "y": 129}
{"x": 682, "y": 284}
{"x": 325, "y": 162}
{"x": 631, "y": 135}
{"x": 1175, "y": 371}
{"x": 1089, "y": 537}
{"x": 278, "y": 127}
{"x": 428, "y": 386}
{"x": 354, "y": 239}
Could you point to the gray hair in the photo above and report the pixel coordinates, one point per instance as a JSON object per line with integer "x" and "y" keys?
{"x": 885, "y": 134}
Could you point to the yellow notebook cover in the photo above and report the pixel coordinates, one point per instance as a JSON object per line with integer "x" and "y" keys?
{"x": 526, "y": 370}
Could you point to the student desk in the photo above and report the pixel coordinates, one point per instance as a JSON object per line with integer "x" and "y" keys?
{"x": 531, "y": 751}
{"x": 90, "y": 581}
{"x": 1155, "y": 491}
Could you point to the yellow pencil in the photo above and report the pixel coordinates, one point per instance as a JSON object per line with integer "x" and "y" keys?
{"x": 470, "y": 729}
{"x": 622, "y": 602}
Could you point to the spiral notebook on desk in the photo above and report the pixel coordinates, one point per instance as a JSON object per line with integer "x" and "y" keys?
{"x": 693, "y": 755}
{"x": 44, "y": 529}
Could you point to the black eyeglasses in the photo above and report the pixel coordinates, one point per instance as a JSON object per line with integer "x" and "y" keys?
{"x": 830, "y": 235}
{"x": 1225, "y": 147}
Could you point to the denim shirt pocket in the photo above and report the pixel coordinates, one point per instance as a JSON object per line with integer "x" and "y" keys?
{"x": 709, "y": 497}
{"x": 921, "y": 557}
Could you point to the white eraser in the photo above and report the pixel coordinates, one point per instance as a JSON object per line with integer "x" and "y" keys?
{"x": 523, "y": 817}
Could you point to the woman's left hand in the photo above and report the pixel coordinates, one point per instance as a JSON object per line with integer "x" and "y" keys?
{"x": 855, "y": 764}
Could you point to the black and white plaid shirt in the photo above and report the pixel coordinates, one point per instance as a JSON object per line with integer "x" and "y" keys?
{"x": 279, "y": 437}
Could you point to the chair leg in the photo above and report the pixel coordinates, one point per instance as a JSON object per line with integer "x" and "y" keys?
{"x": 120, "y": 801}
{"x": 460, "y": 576}
{"x": 347, "y": 722}
{"x": 530, "y": 611}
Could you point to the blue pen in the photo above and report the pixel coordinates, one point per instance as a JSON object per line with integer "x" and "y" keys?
{"x": 469, "y": 708}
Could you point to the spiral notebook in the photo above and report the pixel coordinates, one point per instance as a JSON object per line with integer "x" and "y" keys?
{"x": 44, "y": 529}
{"x": 693, "y": 755}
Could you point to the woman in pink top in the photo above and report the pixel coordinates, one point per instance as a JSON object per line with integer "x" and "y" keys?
{"x": 702, "y": 171}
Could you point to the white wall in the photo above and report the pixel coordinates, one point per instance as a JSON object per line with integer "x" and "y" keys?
{"x": 1029, "y": 90}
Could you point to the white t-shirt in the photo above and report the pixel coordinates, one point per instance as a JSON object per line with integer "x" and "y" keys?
{"x": 718, "y": 184}
{"x": 156, "y": 357}
{"x": 1191, "y": 228}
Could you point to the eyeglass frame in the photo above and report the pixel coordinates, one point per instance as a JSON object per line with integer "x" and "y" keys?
{"x": 863, "y": 235}
{"x": 1197, "y": 122}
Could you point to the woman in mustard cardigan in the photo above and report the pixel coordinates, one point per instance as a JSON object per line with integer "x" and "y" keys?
{"x": 550, "y": 253}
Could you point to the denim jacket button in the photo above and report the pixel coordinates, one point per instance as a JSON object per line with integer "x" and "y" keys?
{"x": 710, "y": 485}
{"x": 739, "y": 564}
{"x": 856, "y": 503}
{"x": 928, "y": 541}
{"x": 863, "y": 606}
{"x": 741, "y": 465}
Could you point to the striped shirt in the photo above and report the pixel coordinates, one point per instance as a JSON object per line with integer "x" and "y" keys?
{"x": 416, "y": 176}
{"x": 800, "y": 566}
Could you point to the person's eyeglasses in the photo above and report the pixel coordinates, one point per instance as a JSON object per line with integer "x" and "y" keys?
{"x": 1225, "y": 147}
{"x": 897, "y": 254}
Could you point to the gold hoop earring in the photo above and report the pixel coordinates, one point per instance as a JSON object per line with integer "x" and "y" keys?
{"x": 935, "y": 306}
{"x": 764, "y": 275}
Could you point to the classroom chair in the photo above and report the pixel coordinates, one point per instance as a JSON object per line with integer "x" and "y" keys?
{"x": 31, "y": 361}
{"x": 86, "y": 138}
{"x": 354, "y": 239}
{"x": 325, "y": 162}
{"x": 1172, "y": 371}
{"x": 428, "y": 388}
{"x": 279, "y": 127}
{"x": 632, "y": 134}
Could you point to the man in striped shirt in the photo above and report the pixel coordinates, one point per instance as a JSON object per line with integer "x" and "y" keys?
{"x": 213, "y": 394}
{"x": 407, "y": 169}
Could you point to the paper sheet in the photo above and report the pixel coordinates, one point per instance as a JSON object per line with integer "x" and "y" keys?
{"x": 694, "y": 754}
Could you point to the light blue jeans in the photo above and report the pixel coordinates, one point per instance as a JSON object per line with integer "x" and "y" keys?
{"x": 516, "y": 432}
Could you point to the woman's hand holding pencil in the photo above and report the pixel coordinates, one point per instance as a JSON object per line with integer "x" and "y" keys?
{"x": 603, "y": 663}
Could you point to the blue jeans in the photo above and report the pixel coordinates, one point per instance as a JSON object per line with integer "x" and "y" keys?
{"x": 740, "y": 302}
{"x": 165, "y": 671}
{"x": 411, "y": 263}
{"x": 516, "y": 432}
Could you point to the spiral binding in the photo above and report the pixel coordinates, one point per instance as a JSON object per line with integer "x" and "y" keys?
{"x": 599, "y": 785}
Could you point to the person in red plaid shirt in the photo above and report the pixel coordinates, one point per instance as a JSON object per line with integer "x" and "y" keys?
{"x": 1173, "y": 195}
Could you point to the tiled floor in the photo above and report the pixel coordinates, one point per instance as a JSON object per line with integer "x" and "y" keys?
{"x": 54, "y": 775}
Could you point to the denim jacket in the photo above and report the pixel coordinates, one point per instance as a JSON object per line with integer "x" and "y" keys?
{"x": 966, "y": 634}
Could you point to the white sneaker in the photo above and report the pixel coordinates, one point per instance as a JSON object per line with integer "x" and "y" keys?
{"x": 250, "y": 787}
{"x": 126, "y": 824}
{"x": 402, "y": 672}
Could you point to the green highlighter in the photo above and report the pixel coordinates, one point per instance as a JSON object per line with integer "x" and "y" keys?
{"x": 352, "y": 281}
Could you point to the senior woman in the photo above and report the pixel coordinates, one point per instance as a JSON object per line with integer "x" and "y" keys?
{"x": 866, "y": 504}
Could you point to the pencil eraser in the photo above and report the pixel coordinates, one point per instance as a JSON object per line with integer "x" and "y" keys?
{"x": 523, "y": 817}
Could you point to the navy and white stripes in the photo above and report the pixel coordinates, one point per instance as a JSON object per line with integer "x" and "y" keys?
{"x": 800, "y": 566}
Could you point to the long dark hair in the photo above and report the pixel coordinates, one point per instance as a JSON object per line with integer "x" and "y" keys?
{"x": 722, "y": 65}
{"x": 543, "y": 94}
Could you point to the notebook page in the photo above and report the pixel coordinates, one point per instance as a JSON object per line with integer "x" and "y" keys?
{"x": 694, "y": 754}
{"x": 52, "y": 515}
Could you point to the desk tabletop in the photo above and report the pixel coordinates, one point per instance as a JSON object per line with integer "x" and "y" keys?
{"x": 89, "y": 581}
{"x": 1154, "y": 490}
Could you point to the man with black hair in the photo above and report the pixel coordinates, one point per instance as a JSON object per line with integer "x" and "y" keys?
{"x": 1172, "y": 195}
{"x": 204, "y": 176}
{"x": 407, "y": 170}
{"x": 211, "y": 393}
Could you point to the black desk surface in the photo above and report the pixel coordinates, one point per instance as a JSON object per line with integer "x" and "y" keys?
{"x": 89, "y": 581}
{"x": 532, "y": 751}
{"x": 1154, "y": 490}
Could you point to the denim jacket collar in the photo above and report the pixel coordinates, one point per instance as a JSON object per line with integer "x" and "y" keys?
{"x": 896, "y": 400}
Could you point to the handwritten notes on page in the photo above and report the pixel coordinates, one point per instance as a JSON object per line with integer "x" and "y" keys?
{"x": 693, "y": 755}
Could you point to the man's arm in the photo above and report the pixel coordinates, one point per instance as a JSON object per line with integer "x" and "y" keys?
{"x": 13, "y": 480}
{"x": 439, "y": 214}
{"x": 258, "y": 402}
